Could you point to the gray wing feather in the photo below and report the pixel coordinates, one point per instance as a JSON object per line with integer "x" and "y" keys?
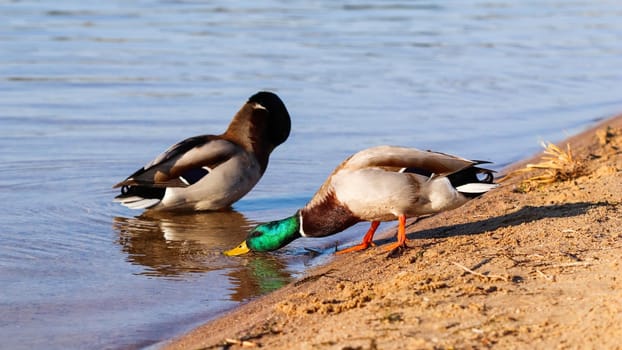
{"x": 196, "y": 152}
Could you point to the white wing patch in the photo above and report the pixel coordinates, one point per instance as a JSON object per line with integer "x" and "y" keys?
{"x": 476, "y": 187}
{"x": 138, "y": 202}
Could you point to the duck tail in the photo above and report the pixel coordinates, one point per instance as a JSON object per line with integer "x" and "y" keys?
{"x": 140, "y": 197}
{"x": 473, "y": 181}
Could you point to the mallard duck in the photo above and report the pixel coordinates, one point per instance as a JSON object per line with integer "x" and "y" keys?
{"x": 377, "y": 184}
{"x": 210, "y": 172}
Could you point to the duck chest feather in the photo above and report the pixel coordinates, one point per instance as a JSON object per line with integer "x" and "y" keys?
{"x": 326, "y": 217}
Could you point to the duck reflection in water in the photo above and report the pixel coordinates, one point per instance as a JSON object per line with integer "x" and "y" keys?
{"x": 176, "y": 245}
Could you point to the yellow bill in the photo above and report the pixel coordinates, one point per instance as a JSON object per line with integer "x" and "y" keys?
{"x": 239, "y": 250}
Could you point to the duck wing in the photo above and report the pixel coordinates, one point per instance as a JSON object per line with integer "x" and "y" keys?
{"x": 184, "y": 163}
{"x": 415, "y": 160}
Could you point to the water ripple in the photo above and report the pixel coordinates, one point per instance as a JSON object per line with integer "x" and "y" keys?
{"x": 90, "y": 92}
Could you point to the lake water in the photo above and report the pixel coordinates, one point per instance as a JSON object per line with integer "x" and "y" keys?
{"x": 90, "y": 92}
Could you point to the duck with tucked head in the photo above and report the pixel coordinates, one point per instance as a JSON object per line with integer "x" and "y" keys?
{"x": 383, "y": 183}
{"x": 211, "y": 172}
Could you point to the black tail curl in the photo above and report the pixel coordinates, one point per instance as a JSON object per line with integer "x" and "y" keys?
{"x": 471, "y": 175}
{"x": 142, "y": 192}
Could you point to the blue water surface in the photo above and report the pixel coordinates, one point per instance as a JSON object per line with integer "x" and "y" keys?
{"x": 90, "y": 91}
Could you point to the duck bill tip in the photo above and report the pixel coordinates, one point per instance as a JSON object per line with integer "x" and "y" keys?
{"x": 242, "y": 248}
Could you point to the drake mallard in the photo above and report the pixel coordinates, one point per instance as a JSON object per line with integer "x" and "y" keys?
{"x": 211, "y": 172}
{"x": 377, "y": 184}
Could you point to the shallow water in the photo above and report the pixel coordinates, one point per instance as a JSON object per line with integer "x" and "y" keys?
{"x": 91, "y": 92}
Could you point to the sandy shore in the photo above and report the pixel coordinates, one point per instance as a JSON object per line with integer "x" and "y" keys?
{"x": 538, "y": 268}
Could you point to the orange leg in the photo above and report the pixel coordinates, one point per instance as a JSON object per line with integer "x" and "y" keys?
{"x": 401, "y": 234}
{"x": 367, "y": 240}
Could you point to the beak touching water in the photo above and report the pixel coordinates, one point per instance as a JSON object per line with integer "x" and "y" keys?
{"x": 242, "y": 248}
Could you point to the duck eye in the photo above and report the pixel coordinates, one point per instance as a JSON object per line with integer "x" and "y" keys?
{"x": 255, "y": 233}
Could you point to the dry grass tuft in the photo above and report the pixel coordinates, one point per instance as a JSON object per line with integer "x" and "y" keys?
{"x": 557, "y": 165}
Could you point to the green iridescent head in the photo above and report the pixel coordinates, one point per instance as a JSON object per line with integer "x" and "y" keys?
{"x": 269, "y": 236}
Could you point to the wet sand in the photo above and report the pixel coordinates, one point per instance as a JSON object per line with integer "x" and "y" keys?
{"x": 512, "y": 269}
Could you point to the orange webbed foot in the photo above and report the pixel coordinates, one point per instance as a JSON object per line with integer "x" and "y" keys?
{"x": 360, "y": 246}
{"x": 396, "y": 250}
{"x": 367, "y": 240}
{"x": 398, "y": 247}
{"x": 394, "y": 246}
